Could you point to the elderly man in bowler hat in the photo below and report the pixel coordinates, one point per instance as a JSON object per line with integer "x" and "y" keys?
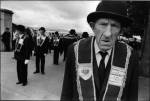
{"x": 101, "y": 68}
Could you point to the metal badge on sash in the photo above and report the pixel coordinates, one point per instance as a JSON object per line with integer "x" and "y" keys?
{"x": 117, "y": 76}
{"x": 19, "y": 45}
{"x": 40, "y": 41}
{"x": 56, "y": 41}
{"x": 85, "y": 72}
{"x": 21, "y": 41}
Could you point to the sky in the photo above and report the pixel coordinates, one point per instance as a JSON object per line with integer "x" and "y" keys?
{"x": 52, "y": 14}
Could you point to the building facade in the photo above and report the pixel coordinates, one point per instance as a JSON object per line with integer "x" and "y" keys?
{"x": 6, "y": 21}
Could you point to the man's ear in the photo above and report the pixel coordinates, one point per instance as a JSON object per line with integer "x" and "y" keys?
{"x": 92, "y": 24}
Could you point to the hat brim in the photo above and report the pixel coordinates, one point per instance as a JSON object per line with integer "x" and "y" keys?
{"x": 94, "y": 16}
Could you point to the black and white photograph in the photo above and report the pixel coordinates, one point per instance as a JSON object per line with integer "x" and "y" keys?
{"x": 75, "y": 50}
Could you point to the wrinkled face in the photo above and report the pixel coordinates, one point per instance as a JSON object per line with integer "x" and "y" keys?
{"x": 106, "y": 32}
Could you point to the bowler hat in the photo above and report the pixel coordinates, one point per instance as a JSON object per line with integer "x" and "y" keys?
{"x": 42, "y": 28}
{"x": 116, "y": 10}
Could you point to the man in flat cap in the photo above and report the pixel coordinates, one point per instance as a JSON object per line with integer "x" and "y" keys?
{"x": 101, "y": 68}
{"x": 22, "y": 55}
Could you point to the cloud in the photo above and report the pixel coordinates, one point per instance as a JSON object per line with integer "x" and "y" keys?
{"x": 52, "y": 14}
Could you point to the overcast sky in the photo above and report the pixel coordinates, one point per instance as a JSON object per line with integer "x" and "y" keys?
{"x": 52, "y": 14}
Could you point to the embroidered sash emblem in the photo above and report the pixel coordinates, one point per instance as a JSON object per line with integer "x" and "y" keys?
{"x": 85, "y": 72}
{"x": 117, "y": 76}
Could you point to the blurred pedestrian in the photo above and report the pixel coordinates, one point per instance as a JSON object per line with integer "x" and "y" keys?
{"x": 56, "y": 40}
{"x": 68, "y": 40}
{"x": 6, "y": 39}
{"x": 31, "y": 39}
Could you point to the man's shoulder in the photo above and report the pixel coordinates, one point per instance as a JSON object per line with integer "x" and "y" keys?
{"x": 124, "y": 44}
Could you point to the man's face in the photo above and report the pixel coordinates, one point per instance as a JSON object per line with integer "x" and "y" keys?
{"x": 18, "y": 32}
{"x": 41, "y": 32}
{"x": 106, "y": 32}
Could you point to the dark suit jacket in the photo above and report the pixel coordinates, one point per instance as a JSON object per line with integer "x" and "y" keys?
{"x": 43, "y": 49}
{"x": 69, "y": 88}
{"x": 25, "y": 50}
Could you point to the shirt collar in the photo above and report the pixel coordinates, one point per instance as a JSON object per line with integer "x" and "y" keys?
{"x": 97, "y": 49}
{"x": 20, "y": 36}
{"x": 41, "y": 36}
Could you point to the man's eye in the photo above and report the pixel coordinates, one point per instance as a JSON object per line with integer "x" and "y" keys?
{"x": 114, "y": 25}
{"x": 103, "y": 24}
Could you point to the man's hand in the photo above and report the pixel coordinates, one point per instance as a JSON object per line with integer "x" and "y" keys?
{"x": 26, "y": 61}
{"x": 45, "y": 54}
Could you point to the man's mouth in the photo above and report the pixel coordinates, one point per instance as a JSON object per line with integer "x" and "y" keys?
{"x": 105, "y": 40}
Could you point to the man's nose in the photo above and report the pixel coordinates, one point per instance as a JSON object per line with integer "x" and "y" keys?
{"x": 108, "y": 31}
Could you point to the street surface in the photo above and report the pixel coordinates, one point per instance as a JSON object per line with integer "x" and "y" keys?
{"x": 42, "y": 87}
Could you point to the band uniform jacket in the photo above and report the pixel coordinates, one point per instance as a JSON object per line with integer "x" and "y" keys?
{"x": 69, "y": 88}
{"x": 24, "y": 52}
{"x": 43, "y": 48}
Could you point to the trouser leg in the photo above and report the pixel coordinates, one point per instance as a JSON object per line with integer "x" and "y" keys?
{"x": 42, "y": 63}
{"x": 37, "y": 63}
{"x": 19, "y": 71}
{"x": 24, "y": 72}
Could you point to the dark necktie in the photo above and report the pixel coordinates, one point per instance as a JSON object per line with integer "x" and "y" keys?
{"x": 102, "y": 61}
{"x": 40, "y": 40}
{"x": 101, "y": 68}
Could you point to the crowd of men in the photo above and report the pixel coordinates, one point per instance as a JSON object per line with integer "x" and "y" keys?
{"x": 27, "y": 43}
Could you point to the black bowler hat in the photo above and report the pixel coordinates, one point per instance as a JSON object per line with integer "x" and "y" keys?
{"x": 21, "y": 28}
{"x": 116, "y": 10}
{"x": 42, "y": 28}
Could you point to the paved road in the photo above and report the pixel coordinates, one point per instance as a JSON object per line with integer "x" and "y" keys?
{"x": 42, "y": 87}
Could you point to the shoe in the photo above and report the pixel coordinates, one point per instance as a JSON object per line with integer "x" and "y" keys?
{"x": 19, "y": 83}
{"x": 36, "y": 72}
{"x": 24, "y": 84}
{"x": 43, "y": 73}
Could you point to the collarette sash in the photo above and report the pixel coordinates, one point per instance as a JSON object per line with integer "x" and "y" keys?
{"x": 84, "y": 71}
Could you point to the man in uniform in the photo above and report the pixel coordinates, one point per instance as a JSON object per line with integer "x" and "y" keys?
{"x": 41, "y": 49}
{"x": 22, "y": 55}
{"x": 100, "y": 68}
{"x": 56, "y": 48}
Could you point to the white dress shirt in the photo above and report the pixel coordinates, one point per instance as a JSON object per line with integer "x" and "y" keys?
{"x": 98, "y": 56}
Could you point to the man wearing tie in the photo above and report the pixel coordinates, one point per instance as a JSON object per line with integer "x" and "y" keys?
{"x": 22, "y": 54}
{"x": 101, "y": 68}
{"x": 41, "y": 49}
